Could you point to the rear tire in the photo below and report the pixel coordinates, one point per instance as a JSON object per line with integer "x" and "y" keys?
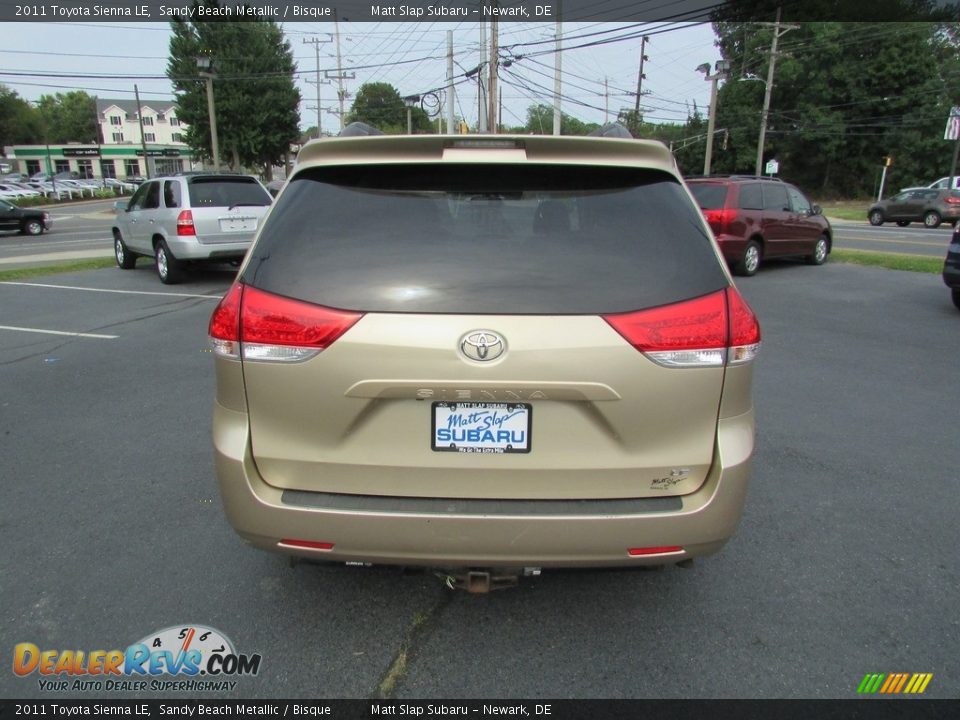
{"x": 169, "y": 269}
{"x": 750, "y": 260}
{"x": 820, "y": 252}
{"x": 121, "y": 253}
{"x": 931, "y": 219}
{"x": 875, "y": 217}
{"x": 955, "y": 294}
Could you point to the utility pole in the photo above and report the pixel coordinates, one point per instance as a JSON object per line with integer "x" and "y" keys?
{"x": 205, "y": 66}
{"x": 558, "y": 54}
{"x": 481, "y": 115}
{"x": 46, "y": 141}
{"x": 96, "y": 116}
{"x": 606, "y": 101}
{"x": 492, "y": 85}
{"x": 777, "y": 32}
{"x": 317, "y": 42}
{"x": 640, "y": 76}
{"x": 451, "y": 96}
{"x": 143, "y": 141}
{"x": 340, "y": 76}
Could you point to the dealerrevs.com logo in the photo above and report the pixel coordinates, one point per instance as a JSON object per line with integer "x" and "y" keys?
{"x": 185, "y": 658}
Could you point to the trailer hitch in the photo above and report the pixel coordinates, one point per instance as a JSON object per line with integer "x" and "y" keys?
{"x": 483, "y": 581}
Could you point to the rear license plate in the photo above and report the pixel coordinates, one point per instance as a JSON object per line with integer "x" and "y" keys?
{"x": 238, "y": 224}
{"x": 481, "y": 427}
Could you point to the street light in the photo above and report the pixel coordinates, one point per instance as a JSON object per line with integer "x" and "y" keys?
{"x": 411, "y": 102}
{"x": 721, "y": 72}
{"x": 205, "y": 66}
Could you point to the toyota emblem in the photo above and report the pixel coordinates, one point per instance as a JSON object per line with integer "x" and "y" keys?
{"x": 482, "y": 345}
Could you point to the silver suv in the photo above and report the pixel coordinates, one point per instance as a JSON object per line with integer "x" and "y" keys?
{"x": 189, "y": 217}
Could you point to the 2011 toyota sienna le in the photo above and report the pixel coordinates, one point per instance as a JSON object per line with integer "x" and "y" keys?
{"x": 486, "y": 352}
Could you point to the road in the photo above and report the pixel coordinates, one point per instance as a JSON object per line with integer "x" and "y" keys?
{"x": 79, "y": 231}
{"x": 845, "y": 562}
{"x": 913, "y": 239}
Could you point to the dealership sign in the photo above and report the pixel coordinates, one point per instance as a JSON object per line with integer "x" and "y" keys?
{"x": 81, "y": 152}
{"x": 167, "y": 152}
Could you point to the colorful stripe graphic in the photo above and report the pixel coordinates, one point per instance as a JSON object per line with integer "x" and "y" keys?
{"x": 894, "y": 683}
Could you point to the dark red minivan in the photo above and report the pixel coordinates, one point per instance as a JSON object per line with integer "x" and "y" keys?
{"x": 755, "y": 218}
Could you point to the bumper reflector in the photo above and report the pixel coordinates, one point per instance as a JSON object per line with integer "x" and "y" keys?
{"x": 311, "y": 544}
{"x": 666, "y": 549}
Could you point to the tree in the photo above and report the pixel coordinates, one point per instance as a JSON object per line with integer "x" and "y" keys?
{"x": 845, "y": 96}
{"x": 540, "y": 122}
{"x": 379, "y": 104}
{"x": 69, "y": 117}
{"x": 689, "y": 141}
{"x": 255, "y": 96}
{"x": 19, "y": 122}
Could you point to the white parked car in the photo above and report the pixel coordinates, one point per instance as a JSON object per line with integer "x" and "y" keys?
{"x": 118, "y": 185}
{"x": 60, "y": 192}
{"x": 13, "y": 190}
{"x": 77, "y": 187}
{"x": 941, "y": 184}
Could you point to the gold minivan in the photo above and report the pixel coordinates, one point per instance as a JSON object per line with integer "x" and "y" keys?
{"x": 490, "y": 353}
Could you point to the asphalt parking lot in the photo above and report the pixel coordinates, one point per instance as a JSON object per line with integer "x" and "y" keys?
{"x": 846, "y": 561}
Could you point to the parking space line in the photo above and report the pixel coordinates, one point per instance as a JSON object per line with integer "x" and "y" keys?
{"x": 59, "y": 332}
{"x": 104, "y": 290}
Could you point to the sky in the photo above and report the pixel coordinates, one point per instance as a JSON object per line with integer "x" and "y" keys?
{"x": 45, "y": 58}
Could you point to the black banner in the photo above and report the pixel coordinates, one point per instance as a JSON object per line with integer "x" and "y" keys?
{"x": 506, "y": 11}
{"x": 875, "y": 708}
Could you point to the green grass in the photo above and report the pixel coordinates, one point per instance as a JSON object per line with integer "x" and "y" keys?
{"x": 846, "y": 209}
{"x": 891, "y": 261}
{"x": 27, "y": 273}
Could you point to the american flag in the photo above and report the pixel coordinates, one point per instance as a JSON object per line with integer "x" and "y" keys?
{"x": 952, "y": 131}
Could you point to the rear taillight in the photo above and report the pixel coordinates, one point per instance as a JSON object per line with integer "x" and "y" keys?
{"x": 224, "y": 328}
{"x": 258, "y": 325}
{"x": 952, "y": 199}
{"x": 744, "y": 330}
{"x": 185, "y": 224}
{"x": 719, "y": 220}
{"x": 704, "y": 332}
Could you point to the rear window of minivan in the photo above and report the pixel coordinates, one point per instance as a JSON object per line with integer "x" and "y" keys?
{"x": 710, "y": 196}
{"x": 485, "y": 239}
{"x": 226, "y": 192}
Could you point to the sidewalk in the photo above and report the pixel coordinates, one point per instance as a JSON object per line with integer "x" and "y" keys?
{"x": 20, "y": 262}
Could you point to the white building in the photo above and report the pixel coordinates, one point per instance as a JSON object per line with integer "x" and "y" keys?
{"x": 120, "y": 124}
{"x": 162, "y": 133}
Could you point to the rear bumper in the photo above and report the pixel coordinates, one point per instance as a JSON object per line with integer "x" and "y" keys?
{"x": 189, "y": 248}
{"x": 464, "y": 533}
